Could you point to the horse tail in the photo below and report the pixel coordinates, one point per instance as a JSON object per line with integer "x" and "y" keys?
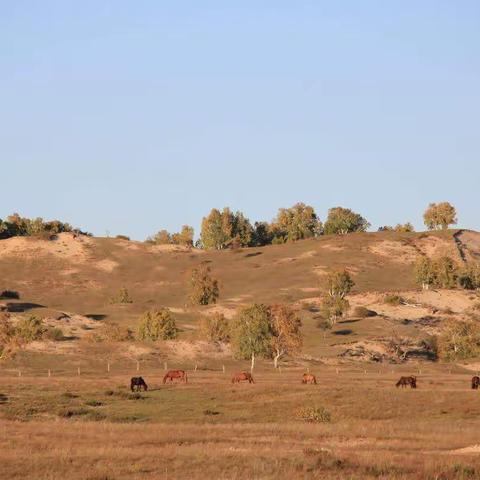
{"x": 398, "y": 383}
{"x": 165, "y": 378}
{"x": 186, "y": 377}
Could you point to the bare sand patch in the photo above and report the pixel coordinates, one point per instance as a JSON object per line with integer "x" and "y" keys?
{"x": 106, "y": 265}
{"x": 396, "y": 252}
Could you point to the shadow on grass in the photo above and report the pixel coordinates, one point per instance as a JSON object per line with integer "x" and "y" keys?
{"x": 22, "y": 306}
{"x": 96, "y": 316}
{"x": 346, "y": 331}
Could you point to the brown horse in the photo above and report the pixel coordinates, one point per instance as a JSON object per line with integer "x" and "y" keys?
{"x": 405, "y": 381}
{"x": 176, "y": 374}
{"x": 309, "y": 378}
{"x": 137, "y": 383}
{"x": 242, "y": 377}
{"x": 475, "y": 383}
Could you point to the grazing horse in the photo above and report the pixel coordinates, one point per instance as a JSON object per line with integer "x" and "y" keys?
{"x": 171, "y": 375}
{"x": 137, "y": 383}
{"x": 405, "y": 381}
{"x": 309, "y": 378}
{"x": 242, "y": 377}
{"x": 475, "y": 383}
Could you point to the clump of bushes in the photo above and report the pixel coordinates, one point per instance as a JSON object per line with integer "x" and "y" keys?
{"x": 123, "y": 237}
{"x": 54, "y": 334}
{"x": 314, "y": 415}
{"x": 30, "y": 328}
{"x": 157, "y": 325}
{"x": 122, "y": 297}
{"x": 215, "y": 328}
{"x": 393, "y": 299}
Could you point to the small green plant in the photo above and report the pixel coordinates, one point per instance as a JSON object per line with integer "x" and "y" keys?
{"x": 314, "y": 415}
{"x": 121, "y": 297}
{"x": 157, "y": 325}
{"x": 10, "y": 294}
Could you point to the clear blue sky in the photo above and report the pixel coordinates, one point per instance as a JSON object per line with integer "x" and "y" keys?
{"x": 132, "y": 116}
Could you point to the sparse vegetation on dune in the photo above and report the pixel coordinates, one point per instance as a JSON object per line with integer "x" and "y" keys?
{"x": 225, "y": 309}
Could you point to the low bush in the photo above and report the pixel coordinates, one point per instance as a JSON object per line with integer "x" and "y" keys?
{"x": 30, "y": 328}
{"x": 122, "y": 297}
{"x": 157, "y": 325}
{"x": 393, "y": 299}
{"x": 215, "y": 328}
{"x": 314, "y": 415}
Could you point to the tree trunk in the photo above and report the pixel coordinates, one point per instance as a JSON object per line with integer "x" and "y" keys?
{"x": 276, "y": 358}
{"x": 253, "y": 363}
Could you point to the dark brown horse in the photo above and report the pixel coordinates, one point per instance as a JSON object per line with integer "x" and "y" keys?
{"x": 309, "y": 378}
{"x": 172, "y": 375}
{"x": 475, "y": 383}
{"x": 242, "y": 377}
{"x": 406, "y": 381}
{"x": 137, "y": 383}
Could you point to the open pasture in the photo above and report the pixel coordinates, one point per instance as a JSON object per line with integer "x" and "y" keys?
{"x": 93, "y": 427}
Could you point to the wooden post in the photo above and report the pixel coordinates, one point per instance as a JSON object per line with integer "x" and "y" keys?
{"x": 108, "y": 366}
{"x": 49, "y": 373}
{"x": 138, "y": 366}
{"x": 365, "y": 372}
{"x": 337, "y": 371}
{"x": 196, "y": 366}
{"x": 78, "y": 370}
{"x": 308, "y": 369}
{"x": 19, "y": 373}
{"x": 165, "y": 366}
{"x": 223, "y": 368}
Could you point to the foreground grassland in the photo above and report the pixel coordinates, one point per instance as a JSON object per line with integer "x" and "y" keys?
{"x": 88, "y": 428}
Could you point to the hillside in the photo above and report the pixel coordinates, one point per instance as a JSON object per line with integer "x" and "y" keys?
{"x": 68, "y": 281}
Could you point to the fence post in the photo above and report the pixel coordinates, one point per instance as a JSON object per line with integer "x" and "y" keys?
{"x": 165, "y": 365}
{"x": 19, "y": 373}
{"x": 138, "y": 366}
{"x": 196, "y": 366}
{"x": 78, "y": 370}
{"x": 108, "y": 366}
{"x": 49, "y": 373}
{"x": 223, "y": 368}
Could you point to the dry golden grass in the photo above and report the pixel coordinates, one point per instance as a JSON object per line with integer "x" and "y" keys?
{"x": 210, "y": 428}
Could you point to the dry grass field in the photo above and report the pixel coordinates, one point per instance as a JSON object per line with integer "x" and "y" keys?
{"x": 92, "y": 427}
{"x": 82, "y": 422}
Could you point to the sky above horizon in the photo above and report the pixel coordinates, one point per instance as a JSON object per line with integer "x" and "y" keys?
{"x": 130, "y": 117}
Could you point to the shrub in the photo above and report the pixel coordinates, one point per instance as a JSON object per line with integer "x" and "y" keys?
{"x": 9, "y": 294}
{"x": 363, "y": 312}
{"x": 203, "y": 287}
{"x": 112, "y": 332}
{"x": 121, "y": 297}
{"x": 393, "y": 299}
{"x": 123, "y": 237}
{"x": 54, "y": 334}
{"x": 333, "y": 308}
{"x": 157, "y": 324}
{"x": 215, "y": 328}
{"x": 459, "y": 341}
{"x": 30, "y": 328}
{"x": 314, "y": 415}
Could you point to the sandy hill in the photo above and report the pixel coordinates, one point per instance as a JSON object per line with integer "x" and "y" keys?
{"x": 77, "y": 276}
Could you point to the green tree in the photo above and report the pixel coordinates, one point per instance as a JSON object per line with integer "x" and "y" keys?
{"x": 296, "y": 223}
{"x": 215, "y": 328}
{"x": 334, "y": 304}
{"x": 161, "y": 238}
{"x": 184, "y": 237}
{"x": 262, "y": 234}
{"x": 157, "y": 325}
{"x": 251, "y": 333}
{"x": 446, "y": 273}
{"x": 440, "y": 216}
{"x": 215, "y": 233}
{"x": 469, "y": 277}
{"x": 204, "y": 288}
{"x": 405, "y": 228}
{"x": 343, "y": 220}
{"x": 460, "y": 340}
{"x": 286, "y": 336}
{"x": 425, "y": 273}
{"x": 242, "y": 230}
